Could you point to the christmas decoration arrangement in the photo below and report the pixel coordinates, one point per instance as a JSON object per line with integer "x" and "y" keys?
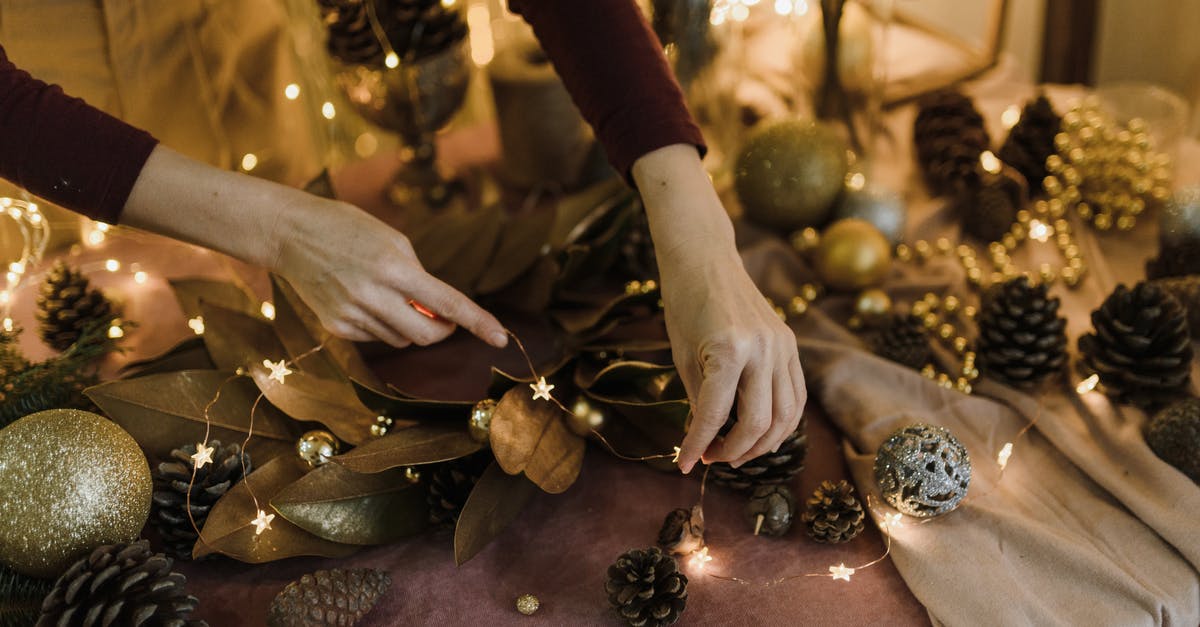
{"x": 329, "y": 597}
{"x": 184, "y": 492}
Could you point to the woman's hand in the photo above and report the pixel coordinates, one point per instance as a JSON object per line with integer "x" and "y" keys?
{"x": 728, "y": 344}
{"x": 357, "y": 273}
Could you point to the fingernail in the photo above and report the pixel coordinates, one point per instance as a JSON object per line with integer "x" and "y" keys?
{"x": 499, "y": 339}
{"x": 687, "y": 469}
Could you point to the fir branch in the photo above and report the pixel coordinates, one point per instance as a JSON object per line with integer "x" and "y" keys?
{"x": 20, "y": 598}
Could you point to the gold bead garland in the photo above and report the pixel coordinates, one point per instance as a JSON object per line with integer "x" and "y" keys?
{"x": 936, "y": 314}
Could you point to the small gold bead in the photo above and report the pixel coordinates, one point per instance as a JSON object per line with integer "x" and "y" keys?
{"x": 969, "y": 311}
{"x": 810, "y": 292}
{"x": 805, "y": 240}
{"x": 972, "y": 374}
{"x": 1070, "y": 276}
{"x": 960, "y": 344}
{"x": 1084, "y": 210}
{"x": 527, "y": 604}
{"x": 944, "y": 246}
{"x": 997, "y": 277}
{"x": 928, "y": 371}
{"x": 924, "y": 250}
{"x": 1055, "y": 208}
{"x": 963, "y": 385}
{"x": 920, "y": 308}
{"x": 1052, "y": 185}
{"x": 1103, "y": 221}
{"x": 1009, "y": 241}
{"x": 969, "y": 357}
{"x": 974, "y": 276}
{"x": 1054, "y": 163}
{"x": 965, "y": 250}
{"x": 1070, "y": 251}
{"x": 1075, "y": 263}
{"x": 1018, "y": 231}
{"x": 950, "y": 304}
{"x": 1160, "y": 193}
{"x": 1126, "y": 223}
{"x": 1137, "y": 206}
{"x": 946, "y": 331}
{"x": 798, "y": 306}
{"x": 1024, "y": 216}
{"x": 932, "y": 299}
{"x": 1047, "y": 273}
{"x": 1070, "y": 176}
{"x": 969, "y": 262}
{"x": 930, "y": 320}
{"x": 633, "y": 287}
{"x": 903, "y": 252}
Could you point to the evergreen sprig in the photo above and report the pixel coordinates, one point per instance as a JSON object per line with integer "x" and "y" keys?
{"x": 20, "y": 598}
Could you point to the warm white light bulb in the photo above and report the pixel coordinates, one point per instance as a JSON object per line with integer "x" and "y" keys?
{"x": 1088, "y": 384}
{"x": 95, "y": 237}
{"x": 1039, "y": 230}
{"x": 1011, "y": 116}
{"x": 8, "y": 324}
{"x": 197, "y": 325}
{"x": 268, "y": 310}
{"x": 116, "y": 332}
{"x": 140, "y": 277}
{"x": 392, "y": 60}
{"x": 17, "y": 266}
{"x": 1005, "y": 453}
{"x": 249, "y": 161}
{"x": 479, "y": 27}
{"x": 112, "y": 265}
{"x": 990, "y": 162}
{"x": 328, "y": 111}
{"x": 292, "y": 91}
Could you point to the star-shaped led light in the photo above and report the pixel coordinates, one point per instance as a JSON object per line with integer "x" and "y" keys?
{"x": 541, "y": 389}
{"x": 700, "y": 558}
{"x": 262, "y": 522}
{"x": 892, "y": 520}
{"x": 675, "y": 459}
{"x": 841, "y": 571}
{"x": 279, "y": 369}
{"x": 197, "y": 325}
{"x": 202, "y": 456}
{"x": 1005, "y": 453}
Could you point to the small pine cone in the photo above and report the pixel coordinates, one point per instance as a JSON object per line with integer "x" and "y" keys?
{"x": 988, "y": 211}
{"x": 770, "y": 509}
{"x": 451, "y": 483}
{"x": 169, "y": 506}
{"x": 120, "y": 584}
{"x": 1174, "y": 435}
{"x": 1022, "y": 337}
{"x": 646, "y": 588}
{"x": 66, "y": 305}
{"x": 1185, "y": 289}
{"x": 949, "y": 136}
{"x": 328, "y": 597}
{"x": 903, "y": 339}
{"x": 769, "y": 468}
{"x": 420, "y": 28}
{"x": 1031, "y": 141}
{"x": 1141, "y": 347}
{"x": 351, "y": 37}
{"x": 833, "y": 514}
{"x": 682, "y": 531}
{"x": 1172, "y": 261}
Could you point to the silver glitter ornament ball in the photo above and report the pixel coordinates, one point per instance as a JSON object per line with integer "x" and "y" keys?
{"x": 70, "y": 481}
{"x": 922, "y": 470}
{"x": 317, "y": 447}
{"x": 1179, "y": 222}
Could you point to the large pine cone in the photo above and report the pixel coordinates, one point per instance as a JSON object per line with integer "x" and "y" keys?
{"x": 66, "y": 305}
{"x": 414, "y": 29}
{"x": 1174, "y": 435}
{"x": 1032, "y": 140}
{"x": 328, "y": 597}
{"x": 949, "y": 137}
{"x": 903, "y": 339}
{"x": 1185, "y": 289}
{"x": 769, "y": 468}
{"x": 646, "y": 588}
{"x": 451, "y": 483}
{"x": 988, "y": 211}
{"x": 1175, "y": 260}
{"x": 351, "y": 38}
{"x": 120, "y": 584}
{"x": 169, "y": 507}
{"x": 833, "y": 514}
{"x": 1022, "y": 338}
{"x": 1140, "y": 347}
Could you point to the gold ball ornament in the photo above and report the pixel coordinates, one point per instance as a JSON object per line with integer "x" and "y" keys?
{"x": 853, "y": 255}
{"x": 584, "y": 417}
{"x": 70, "y": 481}
{"x": 789, "y": 173}
{"x": 527, "y": 604}
{"x": 480, "y": 424}
{"x": 317, "y": 447}
{"x": 872, "y": 304}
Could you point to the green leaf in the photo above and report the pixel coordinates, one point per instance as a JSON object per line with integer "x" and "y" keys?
{"x": 229, "y": 529}
{"x": 307, "y": 398}
{"x": 421, "y": 444}
{"x": 336, "y": 504}
{"x": 300, "y": 331}
{"x": 191, "y": 292}
{"x": 494, "y": 503}
{"x": 236, "y": 340}
{"x": 521, "y": 242}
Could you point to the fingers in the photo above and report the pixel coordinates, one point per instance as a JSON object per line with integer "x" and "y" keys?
{"x": 783, "y": 417}
{"x": 449, "y": 303}
{"x": 720, "y": 374}
{"x": 754, "y": 415}
{"x": 800, "y": 387}
{"x": 383, "y": 331}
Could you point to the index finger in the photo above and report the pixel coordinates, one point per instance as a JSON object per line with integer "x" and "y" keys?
{"x": 712, "y": 407}
{"x": 448, "y": 303}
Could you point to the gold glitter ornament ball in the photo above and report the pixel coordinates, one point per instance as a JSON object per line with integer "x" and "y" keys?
{"x": 70, "y": 481}
{"x": 789, "y": 173}
{"x": 852, "y": 255}
{"x": 527, "y": 604}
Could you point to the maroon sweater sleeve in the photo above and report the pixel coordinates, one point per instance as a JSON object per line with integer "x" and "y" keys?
{"x": 613, "y": 65}
{"x": 64, "y": 150}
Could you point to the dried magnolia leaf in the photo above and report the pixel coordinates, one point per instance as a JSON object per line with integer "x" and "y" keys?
{"x": 578, "y": 210}
{"x": 189, "y": 354}
{"x": 457, "y": 247}
{"x": 586, "y": 319}
{"x": 417, "y": 409}
{"x": 164, "y": 411}
{"x": 236, "y": 340}
{"x": 421, "y": 444}
{"x": 630, "y": 380}
{"x": 530, "y": 436}
{"x": 336, "y": 504}
{"x": 301, "y": 331}
{"x": 330, "y": 403}
{"x": 494, "y": 503}
{"x": 522, "y": 240}
{"x": 663, "y": 423}
{"x": 230, "y": 530}
{"x": 191, "y": 292}
{"x": 533, "y": 291}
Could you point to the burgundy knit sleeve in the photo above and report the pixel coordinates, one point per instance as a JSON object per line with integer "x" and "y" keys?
{"x": 64, "y": 150}
{"x": 613, "y": 65}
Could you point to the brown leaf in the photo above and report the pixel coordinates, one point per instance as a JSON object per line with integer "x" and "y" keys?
{"x": 189, "y": 354}
{"x": 630, "y": 380}
{"x": 530, "y": 436}
{"x": 521, "y": 243}
{"x": 236, "y": 340}
{"x": 334, "y": 503}
{"x": 191, "y": 292}
{"x": 494, "y": 503}
{"x": 421, "y": 444}
{"x": 588, "y": 319}
{"x": 331, "y": 403}
{"x": 662, "y": 423}
{"x": 300, "y": 331}
{"x": 229, "y": 529}
{"x": 402, "y": 406}
{"x": 457, "y": 247}
{"x": 165, "y": 411}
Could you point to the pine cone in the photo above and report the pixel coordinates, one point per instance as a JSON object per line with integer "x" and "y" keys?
{"x": 1022, "y": 338}
{"x": 646, "y": 588}
{"x": 903, "y": 339}
{"x": 414, "y": 29}
{"x": 988, "y": 211}
{"x": 351, "y": 38}
{"x": 1140, "y": 347}
{"x": 682, "y": 531}
{"x": 949, "y": 137}
{"x": 120, "y": 584}
{"x": 328, "y": 597}
{"x": 66, "y": 305}
{"x": 169, "y": 505}
{"x": 769, "y": 468}
{"x": 1185, "y": 289}
{"x": 1032, "y": 140}
{"x": 770, "y": 509}
{"x": 451, "y": 483}
{"x": 833, "y": 513}
{"x": 1174, "y": 435}
{"x": 1173, "y": 261}
{"x": 20, "y": 598}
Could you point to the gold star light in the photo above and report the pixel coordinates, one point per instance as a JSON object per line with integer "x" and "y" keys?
{"x": 202, "y": 456}
{"x": 262, "y": 522}
{"x": 841, "y": 571}
{"x": 675, "y": 459}
{"x": 541, "y": 389}
{"x": 279, "y": 369}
